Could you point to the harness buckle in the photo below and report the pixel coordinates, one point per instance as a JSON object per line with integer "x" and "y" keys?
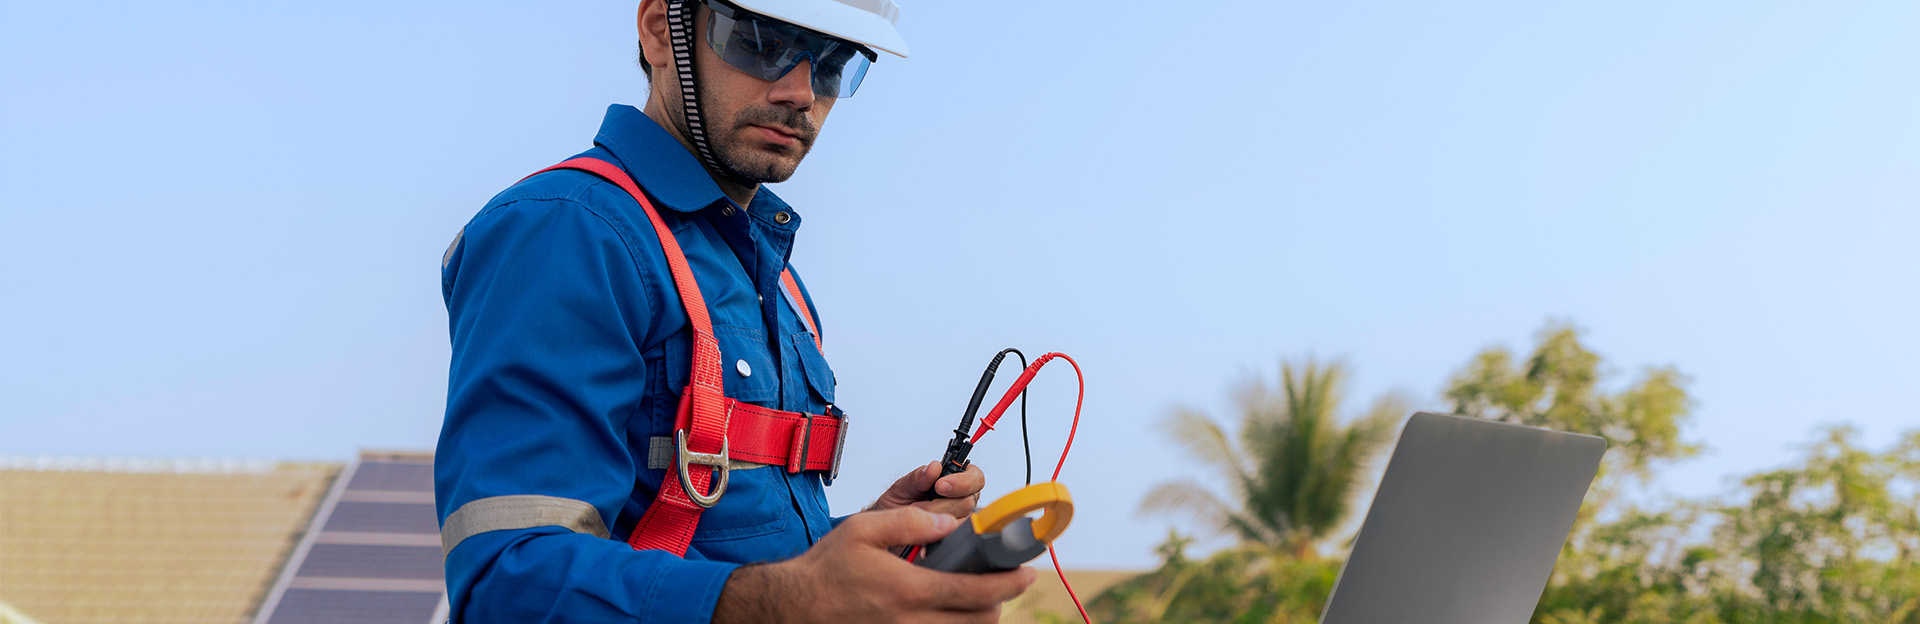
{"x": 802, "y": 444}
{"x": 685, "y": 459}
{"x": 839, "y": 445}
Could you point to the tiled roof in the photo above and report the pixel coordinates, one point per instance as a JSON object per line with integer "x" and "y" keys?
{"x": 85, "y": 541}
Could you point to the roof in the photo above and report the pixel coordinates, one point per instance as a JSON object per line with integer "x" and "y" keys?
{"x": 88, "y": 540}
{"x": 222, "y": 541}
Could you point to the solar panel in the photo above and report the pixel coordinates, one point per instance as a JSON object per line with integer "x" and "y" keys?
{"x": 372, "y": 554}
{"x": 309, "y": 606}
{"x": 394, "y": 476}
{"x": 372, "y": 562}
{"x": 384, "y": 518}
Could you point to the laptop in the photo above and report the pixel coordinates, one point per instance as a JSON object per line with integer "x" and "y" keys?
{"x": 1467, "y": 524}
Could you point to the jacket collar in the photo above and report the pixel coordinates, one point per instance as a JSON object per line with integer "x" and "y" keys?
{"x": 657, "y": 161}
{"x": 671, "y": 174}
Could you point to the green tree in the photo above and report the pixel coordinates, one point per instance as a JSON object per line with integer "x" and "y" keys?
{"x": 1830, "y": 540}
{"x": 1640, "y": 568}
{"x": 1294, "y": 468}
{"x": 1834, "y": 538}
{"x": 1241, "y": 585}
{"x": 1558, "y": 387}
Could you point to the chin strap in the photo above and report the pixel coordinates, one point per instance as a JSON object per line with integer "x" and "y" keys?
{"x": 680, "y": 33}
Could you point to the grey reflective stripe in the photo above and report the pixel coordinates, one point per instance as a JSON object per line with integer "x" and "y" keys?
{"x": 447, "y": 258}
{"x": 520, "y": 511}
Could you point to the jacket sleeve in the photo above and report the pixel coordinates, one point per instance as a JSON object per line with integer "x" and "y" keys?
{"x": 544, "y": 305}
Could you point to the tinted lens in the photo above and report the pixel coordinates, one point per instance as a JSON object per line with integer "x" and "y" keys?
{"x": 840, "y": 70}
{"x": 768, "y": 49}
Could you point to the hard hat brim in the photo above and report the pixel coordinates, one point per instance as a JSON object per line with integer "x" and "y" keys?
{"x": 833, "y": 18}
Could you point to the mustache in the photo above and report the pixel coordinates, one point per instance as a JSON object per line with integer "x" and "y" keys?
{"x": 782, "y": 117}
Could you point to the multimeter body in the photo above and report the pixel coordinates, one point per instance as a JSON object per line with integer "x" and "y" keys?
{"x": 1001, "y": 536}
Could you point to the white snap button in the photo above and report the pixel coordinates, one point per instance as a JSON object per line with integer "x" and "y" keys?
{"x": 745, "y": 370}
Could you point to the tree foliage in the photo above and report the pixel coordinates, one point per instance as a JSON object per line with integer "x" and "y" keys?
{"x": 1294, "y": 467}
{"x": 1833, "y": 538}
{"x": 1245, "y": 584}
{"x": 1830, "y": 540}
{"x": 1558, "y": 387}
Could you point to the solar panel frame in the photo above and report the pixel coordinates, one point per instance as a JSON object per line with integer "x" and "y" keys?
{"x": 370, "y": 550}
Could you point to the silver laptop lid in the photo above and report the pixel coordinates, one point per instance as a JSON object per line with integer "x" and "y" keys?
{"x": 1467, "y": 524}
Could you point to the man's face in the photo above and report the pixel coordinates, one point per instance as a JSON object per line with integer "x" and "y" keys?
{"x": 758, "y": 129}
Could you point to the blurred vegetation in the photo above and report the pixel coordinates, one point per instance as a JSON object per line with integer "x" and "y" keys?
{"x": 1293, "y": 467}
{"x": 1833, "y": 538}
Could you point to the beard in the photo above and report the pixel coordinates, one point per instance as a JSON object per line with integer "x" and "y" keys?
{"x": 750, "y": 162}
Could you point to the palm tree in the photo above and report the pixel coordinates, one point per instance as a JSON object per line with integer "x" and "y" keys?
{"x": 1294, "y": 469}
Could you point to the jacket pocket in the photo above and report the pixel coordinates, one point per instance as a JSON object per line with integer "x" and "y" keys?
{"x": 756, "y": 504}
{"x": 814, "y": 365}
{"x": 746, "y": 368}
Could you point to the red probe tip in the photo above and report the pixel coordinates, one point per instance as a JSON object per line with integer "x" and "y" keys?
{"x": 1019, "y": 386}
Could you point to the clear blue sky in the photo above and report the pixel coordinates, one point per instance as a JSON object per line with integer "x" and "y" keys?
{"x": 221, "y": 222}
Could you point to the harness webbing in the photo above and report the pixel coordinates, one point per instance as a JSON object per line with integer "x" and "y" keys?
{"x": 800, "y": 302}
{"x": 704, "y": 410}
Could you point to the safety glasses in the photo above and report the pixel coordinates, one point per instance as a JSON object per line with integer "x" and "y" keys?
{"x": 767, "y": 49}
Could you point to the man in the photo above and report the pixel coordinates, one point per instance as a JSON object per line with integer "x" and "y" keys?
{"x": 567, "y": 431}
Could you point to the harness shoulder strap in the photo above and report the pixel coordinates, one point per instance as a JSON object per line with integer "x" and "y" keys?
{"x": 669, "y": 522}
{"x": 710, "y": 428}
{"x": 800, "y": 305}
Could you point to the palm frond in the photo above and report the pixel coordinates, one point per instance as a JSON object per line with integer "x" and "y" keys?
{"x": 1205, "y": 441}
{"x": 1296, "y": 464}
{"x": 1345, "y": 459}
{"x": 1191, "y": 498}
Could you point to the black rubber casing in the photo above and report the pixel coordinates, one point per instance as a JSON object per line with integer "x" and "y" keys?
{"x": 966, "y": 551}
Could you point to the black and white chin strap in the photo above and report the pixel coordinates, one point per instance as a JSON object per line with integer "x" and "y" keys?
{"x": 680, "y": 32}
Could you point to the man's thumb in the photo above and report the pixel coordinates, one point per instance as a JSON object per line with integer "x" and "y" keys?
{"x": 903, "y": 526}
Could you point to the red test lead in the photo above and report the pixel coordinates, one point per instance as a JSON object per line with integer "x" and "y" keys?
{"x": 1000, "y": 537}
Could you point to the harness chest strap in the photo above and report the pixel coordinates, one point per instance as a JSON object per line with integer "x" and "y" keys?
{"x": 763, "y": 436}
{"x": 709, "y": 427}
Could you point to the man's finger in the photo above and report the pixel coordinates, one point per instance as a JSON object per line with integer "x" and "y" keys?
{"x": 910, "y": 486}
{"x": 956, "y": 507}
{"x": 979, "y": 592}
{"x": 962, "y": 484}
{"x": 900, "y": 526}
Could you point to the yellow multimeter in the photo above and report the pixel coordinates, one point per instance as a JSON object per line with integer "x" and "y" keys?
{"x": 1001, "y": 536}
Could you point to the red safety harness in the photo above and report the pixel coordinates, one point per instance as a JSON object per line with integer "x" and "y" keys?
{"x": 709, "y": 427}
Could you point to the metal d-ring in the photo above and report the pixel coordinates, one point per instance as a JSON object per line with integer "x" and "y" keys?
{"x": 686, "y": 458}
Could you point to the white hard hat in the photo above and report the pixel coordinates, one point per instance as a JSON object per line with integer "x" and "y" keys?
{"x": 866, "y": 22}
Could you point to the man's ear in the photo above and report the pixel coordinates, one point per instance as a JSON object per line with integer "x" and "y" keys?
{"x": 651, "y": 20}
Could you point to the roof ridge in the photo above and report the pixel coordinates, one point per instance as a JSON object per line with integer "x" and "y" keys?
{"x": 58, "y": 463}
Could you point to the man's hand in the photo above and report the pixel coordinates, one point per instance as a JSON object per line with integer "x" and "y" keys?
{"x": 959, "y": 492}
{"x": 851, "y": 576}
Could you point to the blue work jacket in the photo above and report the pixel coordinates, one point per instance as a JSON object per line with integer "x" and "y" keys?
{"x": 570, "y": 348}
